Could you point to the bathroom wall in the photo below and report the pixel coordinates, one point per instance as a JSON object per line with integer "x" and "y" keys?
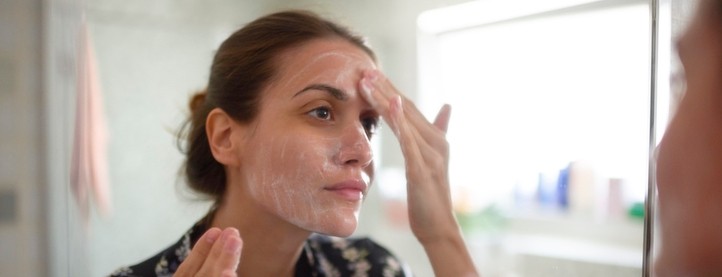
{"x": 152, "y": 57}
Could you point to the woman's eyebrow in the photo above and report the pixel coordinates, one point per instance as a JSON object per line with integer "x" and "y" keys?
{"x": 335, "y": 92}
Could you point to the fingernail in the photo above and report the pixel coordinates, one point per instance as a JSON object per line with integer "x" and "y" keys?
{"x": 396, "y": 113}
{"x": 397, "y": 106}
{"x": 213, "y": 235}
{"x": 373, "y": 75}
{"x": 366, "y": 89}
{"x": 233, "y": 245}
{"x": 400, "y": 103}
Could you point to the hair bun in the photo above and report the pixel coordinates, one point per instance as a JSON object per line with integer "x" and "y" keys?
{"x": 197, "y": 100}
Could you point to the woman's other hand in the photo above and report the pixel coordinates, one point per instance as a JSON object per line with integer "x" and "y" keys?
{"x": 216, "y": 253}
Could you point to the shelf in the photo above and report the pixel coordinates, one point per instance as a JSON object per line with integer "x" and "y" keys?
{"x": 573, "y": 250}
{"x": 568, "y": 239}
{"x": 624, "y": 232}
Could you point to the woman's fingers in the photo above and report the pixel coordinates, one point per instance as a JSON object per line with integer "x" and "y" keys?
{"x": 388, "y": 90}
{"x": 423, "y": 144}
{"x": 405, "y": 134}
{"x": 390, "y": 106}
{"x": 378, "y": 91}
{"x": 225, "y": 253}
{"x": 433, "y": 135}
{"x": 418, "y": 118}
{"x": 430, "y": 138}
{"x": 232, "y": 248}
{"x": 216, "y": 253}
{"x": 197, "y": 257}
{"x": 442, "y": 118}
{"x": 379, "y": 100}
{"x": 426, "y": 155}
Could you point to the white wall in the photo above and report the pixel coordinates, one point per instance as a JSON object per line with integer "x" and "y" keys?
{"x": 152, "y": 56}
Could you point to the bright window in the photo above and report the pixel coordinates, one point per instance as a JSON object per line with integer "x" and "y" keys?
{"x": 550, "y": 116}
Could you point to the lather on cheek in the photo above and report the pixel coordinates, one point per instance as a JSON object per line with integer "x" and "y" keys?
{"x": 290, "y": 186}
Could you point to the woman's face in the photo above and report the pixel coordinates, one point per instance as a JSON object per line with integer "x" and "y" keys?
{"x": 307, "y": 158}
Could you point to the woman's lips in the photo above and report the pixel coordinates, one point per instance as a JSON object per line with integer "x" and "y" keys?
{"x": 352, "y": 190}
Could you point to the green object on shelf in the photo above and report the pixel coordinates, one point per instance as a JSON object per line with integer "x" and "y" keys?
{"x": 489, "y": 219}
{"x": 637, "y": 210}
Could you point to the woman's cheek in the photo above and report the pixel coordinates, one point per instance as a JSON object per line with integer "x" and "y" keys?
{"x": 290, "y": 180}
{"x": 282, "y": 183}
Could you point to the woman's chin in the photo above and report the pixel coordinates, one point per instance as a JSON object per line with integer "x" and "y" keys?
{"x": 336, "y": 221}
{"x": 340, "y": 227}
{"x": 345, "y": 232}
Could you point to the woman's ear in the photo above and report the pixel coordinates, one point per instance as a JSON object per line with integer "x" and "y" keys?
{"x": 220, "y": 128}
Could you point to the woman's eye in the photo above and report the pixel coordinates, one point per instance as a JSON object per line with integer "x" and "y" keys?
{"x": 370, "y": 125}
{"x": 323, "y": 113}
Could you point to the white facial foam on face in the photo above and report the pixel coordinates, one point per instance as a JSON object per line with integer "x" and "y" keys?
{"x": 350, "y": 63}
{"x": 288, "y": 175}
{"x": 292, "y": 187}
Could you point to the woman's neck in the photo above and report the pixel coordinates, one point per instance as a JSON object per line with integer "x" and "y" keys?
{"x": 271, "y": 246}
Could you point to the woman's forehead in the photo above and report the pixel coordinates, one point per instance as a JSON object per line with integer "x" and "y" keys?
{"x": 334, "y": 61}
{"x": 323, "y": 51}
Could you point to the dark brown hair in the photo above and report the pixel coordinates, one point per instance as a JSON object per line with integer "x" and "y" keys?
{"x": 241, "y": 68}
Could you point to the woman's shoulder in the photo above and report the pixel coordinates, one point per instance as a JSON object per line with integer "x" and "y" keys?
{"x": 322, "y": 255}
{"x": 352, "y": 256}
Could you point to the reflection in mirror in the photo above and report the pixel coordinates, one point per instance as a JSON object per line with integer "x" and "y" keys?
{"x": 549, "y": 128}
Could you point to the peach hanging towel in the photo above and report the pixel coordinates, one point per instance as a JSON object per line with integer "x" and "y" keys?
{"x": 89, "y": 179}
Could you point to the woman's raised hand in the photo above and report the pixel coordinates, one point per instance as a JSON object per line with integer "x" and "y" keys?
{"x": 426, "y": 155}
{"x": 216, "y": 253}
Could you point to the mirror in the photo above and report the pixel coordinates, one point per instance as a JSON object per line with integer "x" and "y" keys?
{"x": 550, "y": 132}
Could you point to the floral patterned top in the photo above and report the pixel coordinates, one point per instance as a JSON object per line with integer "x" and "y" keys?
{"x": 321, "y": 256}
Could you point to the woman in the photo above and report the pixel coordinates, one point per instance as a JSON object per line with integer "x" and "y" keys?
{"x": 689, "y": 162}
{"x": 280, "y": 140}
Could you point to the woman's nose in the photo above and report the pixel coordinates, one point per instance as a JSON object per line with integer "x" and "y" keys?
{"x": 355, "y": 147}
